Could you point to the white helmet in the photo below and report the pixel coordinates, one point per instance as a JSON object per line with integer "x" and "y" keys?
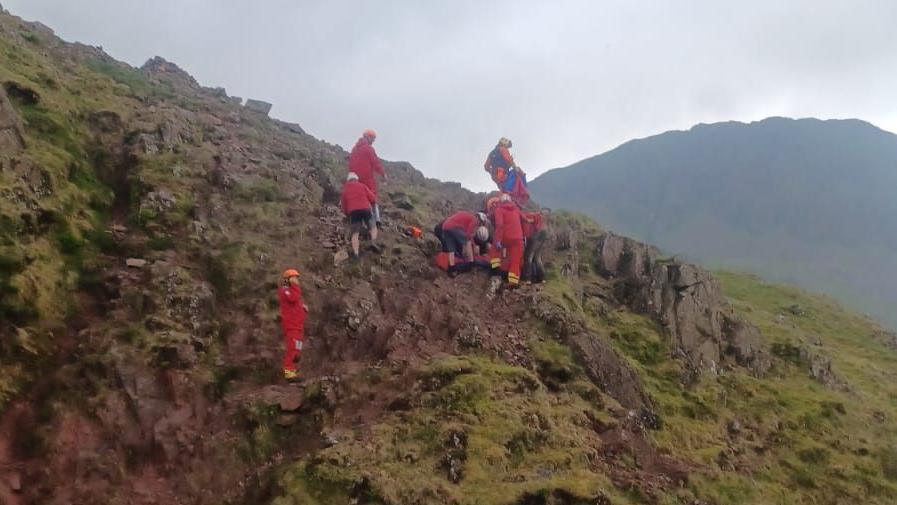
{"x": 482, "y": 217}
{"x": 482, "y": 234}
{"x": 352, "y": 176}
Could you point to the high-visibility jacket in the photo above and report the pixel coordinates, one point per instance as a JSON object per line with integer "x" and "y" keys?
{"x": 356, "y": 196}
{"x": 364, "y": 162}
{"x": 461, "y": 220}
{"x": 292, "y": 310}
{"x": 532, "y": 222}
{"x": 499, "y": 157}
{"x": 508, "y": 222}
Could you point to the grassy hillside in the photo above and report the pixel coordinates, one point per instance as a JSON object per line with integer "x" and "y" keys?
{"x": 785, "y": 438}
{"x": 159, "y": 382}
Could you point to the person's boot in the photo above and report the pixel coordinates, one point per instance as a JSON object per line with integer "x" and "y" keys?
{"x": 291, "y": 375}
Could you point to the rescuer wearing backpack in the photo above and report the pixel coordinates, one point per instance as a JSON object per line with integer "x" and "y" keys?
{"x": 500, "y": 162}
{"x": 505, "y": 173}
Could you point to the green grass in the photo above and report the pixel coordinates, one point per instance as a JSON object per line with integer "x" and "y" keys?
{"x": 515, "y": 431}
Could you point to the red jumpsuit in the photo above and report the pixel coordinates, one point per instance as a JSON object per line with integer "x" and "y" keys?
{"x": 292, "y": 320}
{"x": 509, "y": 231}
{"x": 364, "y": 162}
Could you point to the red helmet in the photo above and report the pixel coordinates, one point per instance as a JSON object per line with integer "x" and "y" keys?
{"x": 369, "y": 133}
{"x": 292, "y": 272}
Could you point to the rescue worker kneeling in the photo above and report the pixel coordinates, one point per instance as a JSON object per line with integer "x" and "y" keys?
{"x": 509, "y": 239}
{"x": 456, "y": 233}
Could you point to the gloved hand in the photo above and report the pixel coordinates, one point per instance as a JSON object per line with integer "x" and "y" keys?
{"x": 498, "y": 244}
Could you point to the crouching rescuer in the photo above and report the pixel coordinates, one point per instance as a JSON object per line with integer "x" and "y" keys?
{"x": 457, "y": 231}
{"x": 292, "y": 321}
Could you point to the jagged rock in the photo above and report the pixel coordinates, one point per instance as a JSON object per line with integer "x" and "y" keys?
{"x": 286, "y": 420}
{"x": 135, "y": 262}
{"x": 684, "y": 299}
{"x": 148, "y": 143}
{"x": 290, "y": 403}
{"x": 455, "y": 455}
{"x": 734, "y": 427}
{"x": 258, "y": 106}
{"x": 601, "y": 362}
{"x": 291, "y": 127}
{"x": 402, "y": 200}
{"x": 12, "y": 133}
{"x": 821, "y": 370}
{"x": 158, "y": 201}
{"x": 160, "y": 67}
{"x": 105, "y": 121}
{"x": 21, "y": 93}
{"x": 339, "y": 257}
{"x": 796, "y": 310}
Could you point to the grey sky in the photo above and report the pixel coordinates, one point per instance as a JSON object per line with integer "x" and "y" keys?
{"x": 442, "y": 81}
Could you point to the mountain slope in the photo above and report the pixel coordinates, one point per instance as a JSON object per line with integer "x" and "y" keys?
{"x": 156, "y": 380}
{"x": 804, "y": 201}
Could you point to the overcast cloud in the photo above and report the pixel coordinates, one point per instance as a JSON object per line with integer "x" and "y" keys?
{"x": 442, "y": 81}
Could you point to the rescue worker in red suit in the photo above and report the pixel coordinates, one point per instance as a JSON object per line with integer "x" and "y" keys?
{"x": 500, "y": 162}
{"x": 456, "y": 233}
{"x": 535, "y": 235}
{"x": 363, "y": 161}
{"x": 292, "y": 321}
{"x": 509, "y": 238}
{"x": 356, "y": 201}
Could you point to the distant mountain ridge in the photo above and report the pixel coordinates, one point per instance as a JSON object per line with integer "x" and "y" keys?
{"x": 801, "y": 200}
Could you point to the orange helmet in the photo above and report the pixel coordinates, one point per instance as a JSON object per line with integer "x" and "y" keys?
{"x": 369, "y": 133}
{"x": 292, "y": 272}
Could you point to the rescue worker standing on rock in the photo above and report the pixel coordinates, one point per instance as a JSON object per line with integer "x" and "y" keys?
{"x": 356, "y": 202}
{"x": 500, "y": 162}
{"x": 456, "y": 233}
{"x": 292, "y": 321}
{"x": 509, "y": 238}
{"x": 509, "y": 177}
{"x": 364, "y": 162}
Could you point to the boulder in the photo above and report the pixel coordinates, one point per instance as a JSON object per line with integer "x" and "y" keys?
{"x": 684, "y": 299}
{"x": 161, "y": 68}
{"x": 135, "y": 262}
{"x": 402, "y": 200}
{"x": 258, "y": 106}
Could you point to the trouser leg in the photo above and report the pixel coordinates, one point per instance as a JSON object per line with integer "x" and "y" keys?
{"x": 514, "y": 259}
{"x": 292, "y": 340}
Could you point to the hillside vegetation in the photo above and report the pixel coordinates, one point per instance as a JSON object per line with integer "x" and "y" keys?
{"x": 801, "y": 201}
{"x": 145, "y": 220}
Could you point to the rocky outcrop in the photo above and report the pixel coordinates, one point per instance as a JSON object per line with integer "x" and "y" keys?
{"x": 163, "y": 69}
{"x": 604, "y": 366}
{"x": 12, "y": 138}
{"x": 258, "y": 106}
{"x": 684, "y": 299}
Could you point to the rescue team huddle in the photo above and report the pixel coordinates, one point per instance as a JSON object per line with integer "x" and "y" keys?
{"x": 501, "y": 238}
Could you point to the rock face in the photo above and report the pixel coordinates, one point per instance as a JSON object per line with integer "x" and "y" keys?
{"x": 11, "y": 133}
{"x": 684, "y": 299}
{"x": 258, "y": 106}
{"x": 602, "y": 363}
